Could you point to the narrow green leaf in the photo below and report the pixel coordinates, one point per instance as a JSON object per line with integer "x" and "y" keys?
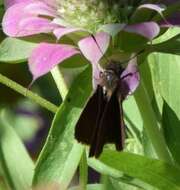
{"x": 16, "y": 164}
{"x": 61, "y": 154}
{"x": 170, "y": 33}
{"x": 83, "y": 171}
{"x": 167, "y": 43}
{"x": 105, "y": 180}
{"x": 168, "y": 71}
{"x": 90, "y": 187}
{"x": 14, "y": 50}
{"x": 170, "y": 46}
{"x": 154, "y": 172}
{"x": 171, "y": 128}
{"x": 151, "y": 124}
{"x": 165, "y": 73}
{"x": 123, "y": 185}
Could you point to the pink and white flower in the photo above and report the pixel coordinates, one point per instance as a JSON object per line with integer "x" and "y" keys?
{"x": 32, "y": 17}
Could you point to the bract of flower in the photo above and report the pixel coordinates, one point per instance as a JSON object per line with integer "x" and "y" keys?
{"x": 32, "y": 17}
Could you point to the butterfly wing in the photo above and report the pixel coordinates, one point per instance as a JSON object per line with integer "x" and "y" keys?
{"x": 87, "y": 124}
{"x": 111, "y": 127}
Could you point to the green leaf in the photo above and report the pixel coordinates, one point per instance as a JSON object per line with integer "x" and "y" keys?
{"x": 154, "y": 172}
{"x": 90, "y": 187}
{"x": 61, "y": 154}
{"x": 116, "y": 175}
{"x": 131, "y": 42}
{"x": 83, "y": 171}
{"x": 167, "y": 43}
{"x": 171, "y": 128}
{"x": 14, "y": 50}
{"x": 170, "y": 33}
{"x": 132, "y": 115}
{"x": 17, "y": 166}
{"x": 165, "y": 73}
{"x": 170, "y": 46}
{"x": 124, "y": 185}
{"x": 105, "y": 180}
{"x": 151, "y": 124}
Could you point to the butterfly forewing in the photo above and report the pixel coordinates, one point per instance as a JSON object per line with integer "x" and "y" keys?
{"x": 109, "y": 127}
{"x": 87, "y": 124}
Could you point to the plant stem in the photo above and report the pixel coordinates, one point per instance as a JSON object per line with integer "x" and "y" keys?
{"x": 151, "y": 125}
{"x": 83, "y": 171}
{"x": 60, "y": 81}
{"x": 27, "y": 93}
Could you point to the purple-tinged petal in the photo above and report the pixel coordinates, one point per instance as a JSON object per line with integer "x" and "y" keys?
{"x": 40, "y": 8}
{"x": 61, "y": 31}
{"x": 9, "y": 3}
{"x": 46, "y": 56}
{"x": 94, "y": 51}
{"x": 156, "y": 7}
{"x": 147, "y": 29}
{"x": 130, "y": 78}
{"x": 159, "y": 8}
{"x": 17, "y": 21}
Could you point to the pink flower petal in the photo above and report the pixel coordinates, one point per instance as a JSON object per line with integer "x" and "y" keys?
{"x": 94, "y": 51}
{"x": 35, "y": 25}
{"x": 130, "y": 78}
{"x": 9, "y": 3}
{"x": 147, "y": 29}
{"x": 61, "y": 31}
{"x": 17, "y": 21}
{"x": 40, "y": 8}
{"x": 46, "y": 56}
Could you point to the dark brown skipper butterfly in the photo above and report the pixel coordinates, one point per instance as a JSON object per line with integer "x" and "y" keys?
{"x": 102, "y": 121}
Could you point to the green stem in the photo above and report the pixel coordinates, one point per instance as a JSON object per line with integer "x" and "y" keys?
{"x": 27, "y": 93}
{"x": 151, "y": 125}
{"x": 83, "y": 171}
{"x": 60, "y": 81}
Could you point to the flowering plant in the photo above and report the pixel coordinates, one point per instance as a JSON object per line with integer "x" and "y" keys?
{"x": 77, "y": 41}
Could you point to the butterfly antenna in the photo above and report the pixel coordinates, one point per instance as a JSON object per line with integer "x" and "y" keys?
{"x": 107, "y": 59}
{"x": 134, "y": 56}
{"x": 104, "y": 56}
